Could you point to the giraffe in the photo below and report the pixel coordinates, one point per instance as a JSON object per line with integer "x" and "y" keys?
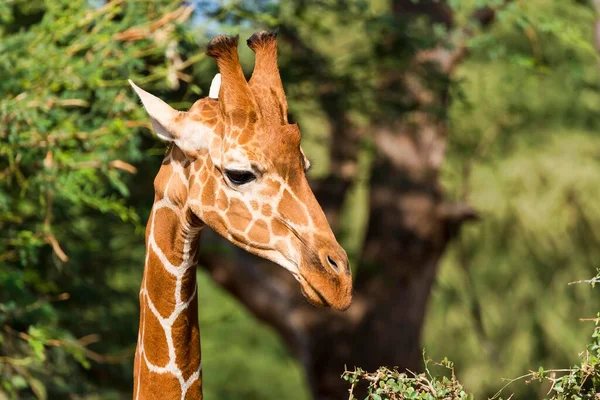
{"x": 234, "y": 164}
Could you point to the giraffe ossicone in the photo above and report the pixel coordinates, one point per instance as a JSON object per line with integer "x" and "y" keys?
{"x": 215, "y": 86}
{"x": 236, "y": 165}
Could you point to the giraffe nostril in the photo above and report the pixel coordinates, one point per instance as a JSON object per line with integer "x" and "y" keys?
{"x": 332, "y": 264}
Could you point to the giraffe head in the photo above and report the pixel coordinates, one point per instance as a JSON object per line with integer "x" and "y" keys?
{"x": 247, "y": 171}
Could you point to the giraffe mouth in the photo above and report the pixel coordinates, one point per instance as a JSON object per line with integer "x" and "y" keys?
{"x": 322, "y": 289}
{"x": 313, "y": 295}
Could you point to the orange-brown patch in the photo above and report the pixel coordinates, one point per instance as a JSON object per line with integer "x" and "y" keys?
{"x": 197, "y": 108}
{"x": 203, "y": 178}
{"x": 186, "y": 337}
{"x": 219, "y": 127}
{"x": 271, "y": 188}
{"x": 222, "y": 201}
{"x": 245, "y": 137}
{"x": 207, "y": 113}
{"x": 178, "y": 154}
{"x": 155, "y": 386}
{"x": 259, "y": 232}
{"x": 239, "y": 215}
{"x": 278, "y": 228}
{"x": 149, "y": 224}
{"x": 195, "y": 191}
{"x": 214, "y": 220}
{"x": 195, "y": 390}
{"x": 178, "y": 190}
{"x": 291, "y": 134}
{"x": 160, "y": 285}
{"x": 209, "y": 191}
{"x": 290, "y": 209}
{"x": 238, "y": 117}
{"x": 198, "y": 164}
{"x": 233, "y": 136}
{"x": 188, "y": 285}
{"x": 254, "y": 204}
{"x": 160, "y": 182}
{"x": 155, "y": 341}
{"x": 167, "y": 236}
{"x": 267, "y": 210}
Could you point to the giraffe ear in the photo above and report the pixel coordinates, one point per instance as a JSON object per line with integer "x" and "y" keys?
{"x": 164, "y": 118}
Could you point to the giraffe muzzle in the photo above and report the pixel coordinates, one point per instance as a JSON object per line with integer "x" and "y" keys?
{"x": 328, "y": 281}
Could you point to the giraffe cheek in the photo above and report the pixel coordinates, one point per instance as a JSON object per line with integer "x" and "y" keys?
{"x": 267, "y": 210}
{"x": 239, "y": 215}
{"x": 208, "y": 194}
{"x": 279, "y": 229}
{"x": 270, "y": 188}
{"x": 214, "y": 220}
{"x": 222, "y": 201}
{"x": 195, "y": 192}
{"x": 259, "y": 232}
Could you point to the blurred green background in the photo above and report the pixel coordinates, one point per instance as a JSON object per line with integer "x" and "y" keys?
{"x": 519, "y": 114}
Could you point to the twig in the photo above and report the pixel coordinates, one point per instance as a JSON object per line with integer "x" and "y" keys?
{"x": 80, "y": 344}
{"x": 139, "y": 33}
{"x": 531, "y": 375}
{"x": 51, "y": 102}
{"x": 37, "y": 304}
{"x": 15, "y": 361}
{"x": 510, "y": 382}
{"x": 48, "y": 235}
{"x": 118, "y": 164}
{"x": 592, "y": 281}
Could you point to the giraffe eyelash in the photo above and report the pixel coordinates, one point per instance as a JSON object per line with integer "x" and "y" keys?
{"x": 240, "y": 177}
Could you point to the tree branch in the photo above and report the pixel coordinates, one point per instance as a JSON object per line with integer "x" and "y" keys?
{"x": 449, "y": 58}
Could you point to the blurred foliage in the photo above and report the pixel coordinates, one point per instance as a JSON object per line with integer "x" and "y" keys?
{"x": 581, "y": 381}
{"x": 69, "y": 211}
{"x": 241, "y": 358}
{"x": 523, "y": 151}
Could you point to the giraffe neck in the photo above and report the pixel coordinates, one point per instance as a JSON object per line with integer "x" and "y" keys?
{"x": 168, "y": 360}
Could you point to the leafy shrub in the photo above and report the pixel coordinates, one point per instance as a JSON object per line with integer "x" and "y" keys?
{"x": 581, "y": 381}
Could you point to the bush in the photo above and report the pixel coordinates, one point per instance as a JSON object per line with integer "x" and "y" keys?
{"x": 581, "y": 381}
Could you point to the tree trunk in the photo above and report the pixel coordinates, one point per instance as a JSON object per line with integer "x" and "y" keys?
{"x": 409, "y": 227}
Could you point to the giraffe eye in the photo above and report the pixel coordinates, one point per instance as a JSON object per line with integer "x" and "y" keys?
{"x": 239, "y": 177}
